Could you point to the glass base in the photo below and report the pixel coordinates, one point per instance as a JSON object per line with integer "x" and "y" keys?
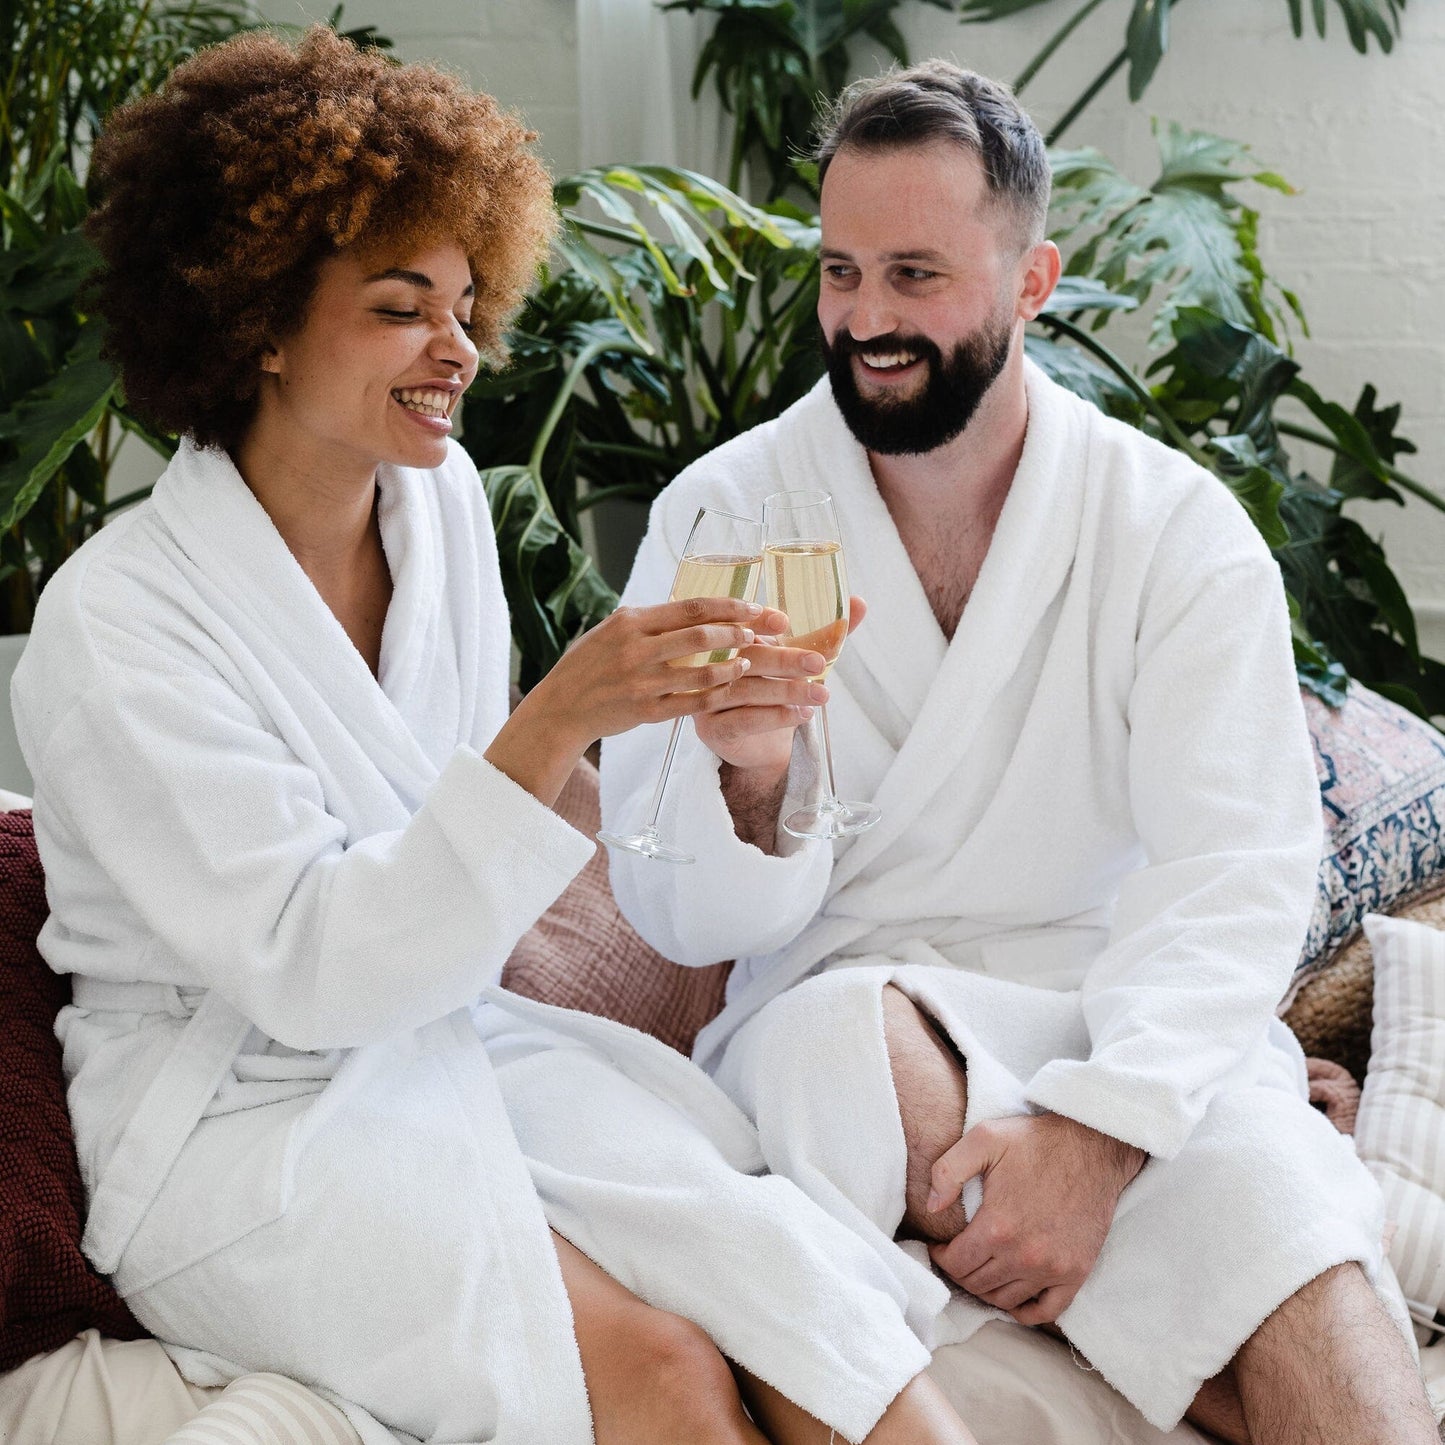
{"x": 832, "y": 820}
{"x": 646, "y": 844}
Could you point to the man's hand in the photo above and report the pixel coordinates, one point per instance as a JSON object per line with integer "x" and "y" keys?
{"x": 1050, "y": 1188}
{"x": 753, "y": 731}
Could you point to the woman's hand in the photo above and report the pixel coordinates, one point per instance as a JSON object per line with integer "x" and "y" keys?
{"x": 638, "y": 666}
{"x": 751, "y": 728}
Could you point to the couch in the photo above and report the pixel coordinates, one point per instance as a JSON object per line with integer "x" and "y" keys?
{"x": 94, "y": 1379}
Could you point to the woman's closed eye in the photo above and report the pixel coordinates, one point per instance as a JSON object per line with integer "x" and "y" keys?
{"x": 464, "y": 322}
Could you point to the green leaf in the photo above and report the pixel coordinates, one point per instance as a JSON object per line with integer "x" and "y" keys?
{"x": 1081, "y": 293}
{"x": 1146, "y": 39}
{"x": 46, "y": 423}
{"x": 553, "y": 588}
{"x": 980, "y": 12}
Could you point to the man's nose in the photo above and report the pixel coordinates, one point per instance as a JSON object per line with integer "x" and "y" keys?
{"x": 872, "y": 313}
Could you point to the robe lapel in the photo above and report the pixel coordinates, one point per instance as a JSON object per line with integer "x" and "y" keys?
{"x": 1028, "y": 561}
{"x": 901, "y": 658}
{"x": 259, "y": 592}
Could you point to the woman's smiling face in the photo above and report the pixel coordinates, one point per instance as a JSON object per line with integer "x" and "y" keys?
{"x": 377, "y": 367}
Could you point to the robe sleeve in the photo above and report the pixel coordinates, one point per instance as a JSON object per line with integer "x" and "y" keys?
{"x": 217, "y": 835}
{"x": 1225, "y": 801}
{"x": 735, "y": 900}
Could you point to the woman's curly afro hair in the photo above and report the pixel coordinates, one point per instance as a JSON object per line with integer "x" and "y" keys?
{"x": 218, "y": 198}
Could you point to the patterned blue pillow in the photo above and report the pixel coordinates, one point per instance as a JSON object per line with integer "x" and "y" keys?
{"x": 1382, "y": 787}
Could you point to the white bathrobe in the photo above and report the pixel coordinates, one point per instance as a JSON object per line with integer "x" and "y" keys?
{"x": 282, "y": 886}
{"x": 1095, "y": 866}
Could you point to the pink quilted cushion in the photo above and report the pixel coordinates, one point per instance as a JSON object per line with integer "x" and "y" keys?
{"x": 584, "y": 954}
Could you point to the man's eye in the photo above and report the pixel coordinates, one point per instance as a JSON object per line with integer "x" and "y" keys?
{"x": 917, "y": 273}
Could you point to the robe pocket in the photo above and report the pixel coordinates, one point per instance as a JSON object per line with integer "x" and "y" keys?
{"x": 232, "y": 1176}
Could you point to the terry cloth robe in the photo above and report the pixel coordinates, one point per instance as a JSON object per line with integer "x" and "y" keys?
{"x": 283, "y": 889}
{"x": 1095, "y": 866}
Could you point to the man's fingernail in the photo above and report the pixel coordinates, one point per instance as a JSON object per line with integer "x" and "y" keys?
{"x": 817, "y": 692}
{"x": 815, "y": 662}
{"x": 805, "y": 713}
{"x": 935, "y": 1202}
{"x": 744, "y": 663}
{"x": 748, "y": 636}
{"x": 755, "y": 609}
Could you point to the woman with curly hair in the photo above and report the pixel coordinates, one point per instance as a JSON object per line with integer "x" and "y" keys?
{"x": 290, "y": 834}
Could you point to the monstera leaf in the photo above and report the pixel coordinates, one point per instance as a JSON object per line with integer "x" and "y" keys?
{"x": 554, "y": 591}
{"x": 1186, "y": 231}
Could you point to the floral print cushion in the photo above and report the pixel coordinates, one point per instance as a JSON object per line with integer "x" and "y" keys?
{"x": 1382, "y": 787}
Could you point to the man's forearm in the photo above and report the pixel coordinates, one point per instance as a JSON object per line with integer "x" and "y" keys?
{"x": 754, "y": 798}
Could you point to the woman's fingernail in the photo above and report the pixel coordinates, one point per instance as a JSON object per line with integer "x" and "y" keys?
{"x": 748, "y": 636}
{"x": 744, "y": 663}
{"x": 805, "y": 713}
{"x": 817, "y": 692}
{"x": 815, "y": 662}
{"x": 755, "y": 609}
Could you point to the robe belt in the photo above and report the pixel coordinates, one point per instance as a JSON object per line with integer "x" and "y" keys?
{"x": 168, "y": 1112}
{"x": 96, "y": 995}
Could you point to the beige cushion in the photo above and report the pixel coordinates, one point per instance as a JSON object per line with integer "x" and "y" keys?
{"x": 1331, "y": 1013}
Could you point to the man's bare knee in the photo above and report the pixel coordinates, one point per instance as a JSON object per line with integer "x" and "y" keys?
{"x": 929, "y": 1079}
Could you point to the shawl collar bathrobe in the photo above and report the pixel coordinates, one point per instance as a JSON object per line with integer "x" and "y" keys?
{"x": 1095, "y": 867}
{"x": 316, "y": 1137}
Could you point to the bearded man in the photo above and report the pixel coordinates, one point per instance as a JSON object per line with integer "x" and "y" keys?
{"x": 1021, "y": 1033}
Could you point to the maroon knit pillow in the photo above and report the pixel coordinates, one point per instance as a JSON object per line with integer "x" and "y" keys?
{"x": 48, "y": 1291}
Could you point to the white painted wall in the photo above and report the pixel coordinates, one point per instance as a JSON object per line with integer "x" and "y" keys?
{"x": 524, "y": 52}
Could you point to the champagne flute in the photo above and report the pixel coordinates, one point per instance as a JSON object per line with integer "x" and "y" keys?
{"x": 803, "y": 557}
{"x": 722, "y": 557}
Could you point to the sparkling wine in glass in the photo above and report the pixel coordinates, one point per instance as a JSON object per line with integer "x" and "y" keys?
{"x": 803, "y": 559}
{"x": 722, "y": 557}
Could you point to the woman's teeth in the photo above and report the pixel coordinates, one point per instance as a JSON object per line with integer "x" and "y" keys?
{"x": 428, "y": 403}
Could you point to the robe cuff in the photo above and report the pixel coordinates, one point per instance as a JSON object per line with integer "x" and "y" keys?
{"x": 497, "y": 827}
{"x": 1136, "y": 1111}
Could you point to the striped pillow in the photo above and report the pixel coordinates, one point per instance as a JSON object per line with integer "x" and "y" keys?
{"x": 1400, "y": 1133}
{"x": 267, "y": 1410}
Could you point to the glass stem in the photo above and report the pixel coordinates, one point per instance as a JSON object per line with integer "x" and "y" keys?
{"x": 830, "y": 805}
{"x": 661, "y": 787}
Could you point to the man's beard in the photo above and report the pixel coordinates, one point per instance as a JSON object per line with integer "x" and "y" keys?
{"x": 927, "y": 419}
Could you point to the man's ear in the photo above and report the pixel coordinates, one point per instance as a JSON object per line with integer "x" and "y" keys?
{"x": 1039, "y": 273}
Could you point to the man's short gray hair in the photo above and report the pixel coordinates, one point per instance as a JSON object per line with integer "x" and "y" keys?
{"x": 936, "y": 100}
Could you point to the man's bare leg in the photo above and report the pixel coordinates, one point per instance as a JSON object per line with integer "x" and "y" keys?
{"x": 1329, "y": 1365}
{"x": 1314, "y": 1371}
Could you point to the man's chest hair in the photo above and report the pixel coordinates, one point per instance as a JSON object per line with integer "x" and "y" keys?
{"x": 947, "y": 561}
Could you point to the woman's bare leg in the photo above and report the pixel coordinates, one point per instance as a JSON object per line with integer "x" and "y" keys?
{"x": 651, "y": 1376}
{"x": 919, "y": 1415}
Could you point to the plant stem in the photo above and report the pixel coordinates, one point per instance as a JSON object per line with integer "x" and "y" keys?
{"x": 1042, "y": 58}
{"x": 96, "y": 513}
{"x": 1146, "y": 398}
{"x": 1321, "y": 439}
{"x": 1082, "y": 103}
{"x": 575, "y": 373}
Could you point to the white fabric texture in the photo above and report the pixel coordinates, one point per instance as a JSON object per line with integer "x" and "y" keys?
{"x": 1400, "y": 1128}
{"x": 283, "y": 887}
{"x": 1102, "y": 789}
{"x": 1264, "y": 1196}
